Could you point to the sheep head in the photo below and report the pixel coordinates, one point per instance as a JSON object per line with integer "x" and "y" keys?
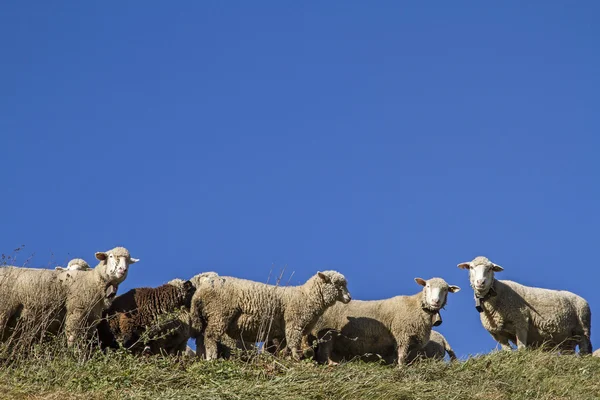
{"x": 205, "y": 277}
{"x": 334, "y": 287}
{"x": 186, "y": 288}
{"x": 116, "y": 263}
{"x": 76, "y": 264}
{"x": 481, "y": 274}
{"x": 435, "y": 292}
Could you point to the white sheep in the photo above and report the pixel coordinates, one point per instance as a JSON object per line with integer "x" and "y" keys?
{"x": 76, "y": 264}
{"x": 528, "y": 316}
{"x": 241, "y": 309}
{"x": 48, "y": 298}
{"x": 436, "y": 348}
{"x": 387, "y": 328}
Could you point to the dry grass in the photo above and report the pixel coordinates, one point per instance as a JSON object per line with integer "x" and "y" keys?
{"x": 51, "y": 374}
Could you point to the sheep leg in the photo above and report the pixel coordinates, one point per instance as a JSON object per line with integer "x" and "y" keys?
{"x": 74, "y": 326}
{"x": 212, "y": 336}
{"x": 325, "y": 349}
{"x": 5, "y": 316}
{"x": 200, "y": 348}
{"x": 293, "y": 337}
{"x": 585, "y": 344}
{"x": 402, "y": 355}
{"x": 521, "y": 336}
{"x": 503, "y": 340}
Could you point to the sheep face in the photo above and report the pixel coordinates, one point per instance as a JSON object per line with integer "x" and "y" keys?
{"x": 335, "y": 288}
{"x": 117, "y": 262}
{"x": 187, "y": 289}
{"x": 435, "y": 291}
{"x": 481, "y": 274}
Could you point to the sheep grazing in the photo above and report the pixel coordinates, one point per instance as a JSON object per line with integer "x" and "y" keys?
{"x": 436, "y": 348}
{"x": 386, "y": 329}
{"x": 76, "y": 264}
{"x": 244, "y": 309}
{"x": 51, "y": 300}
{"x": 528, "y": 316}
{"x": 154, "y": 320}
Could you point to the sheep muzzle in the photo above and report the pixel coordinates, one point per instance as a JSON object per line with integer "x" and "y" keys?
{"x": 479, "y": 300}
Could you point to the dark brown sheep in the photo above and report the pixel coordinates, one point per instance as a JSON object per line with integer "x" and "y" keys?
{"x": 155, "y": 319}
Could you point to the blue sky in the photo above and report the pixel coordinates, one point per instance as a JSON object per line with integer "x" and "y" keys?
{"x": 386, "y": 142}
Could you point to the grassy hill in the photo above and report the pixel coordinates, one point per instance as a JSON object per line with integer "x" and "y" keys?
{"x": 499, "y": 375}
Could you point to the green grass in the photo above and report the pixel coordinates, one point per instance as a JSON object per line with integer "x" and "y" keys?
{"x": 499, "y": 375}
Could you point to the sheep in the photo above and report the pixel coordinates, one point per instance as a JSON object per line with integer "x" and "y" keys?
{"x": 242, "y": 309}
{"x": 436, "y": 348}
{"x": 528, "y": 316}
{"x": 386, "y": 329}
{"x": 596, "y": 353}
{"x": 158, "y": 317}
{"x": 76, "y": 264}
{"x": 204, "y": 277}
{"x": 55, "y": 300}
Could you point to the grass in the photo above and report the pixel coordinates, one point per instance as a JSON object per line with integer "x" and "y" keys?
{"x": 118, "y": 375}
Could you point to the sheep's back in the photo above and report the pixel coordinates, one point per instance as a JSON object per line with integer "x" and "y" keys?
{"x": 30, "y": 285}
{"x": 247, "y": 304}
{"x": 552, "y": 312}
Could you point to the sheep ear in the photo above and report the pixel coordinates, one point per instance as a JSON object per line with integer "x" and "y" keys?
{"x": 59, "y": 268}
{"x": 497, "y": 268}
{"x": 101, "y": 256}
{"x": 188, "y": 285}
{"x": 324, "y": 277}
{"x": 465, "y": 265}
{"x": 133, "y": 260}
{"x": 454, "y": 289}
{"x": 421, "y": 281}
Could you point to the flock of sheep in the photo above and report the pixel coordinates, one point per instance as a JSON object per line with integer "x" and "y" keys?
{"x": 222, "y": 313}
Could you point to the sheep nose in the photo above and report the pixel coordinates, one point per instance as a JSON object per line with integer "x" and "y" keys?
{"x": 480, "y": 282}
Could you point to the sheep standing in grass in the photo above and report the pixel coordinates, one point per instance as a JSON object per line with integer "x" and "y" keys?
{"x": 150, "y": 319}
{"x": 242, "y": 309}
{"x": 387, "y": 328}
{"x": 528, "y": 316}
{"x": 51, "y": 300}
{"x": 436, "y": 348}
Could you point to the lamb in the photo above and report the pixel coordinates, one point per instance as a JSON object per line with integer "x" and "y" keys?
{"x": 241, "y": 308}
{"x": 387, "y": 328}
{"x": 528, "y": 316}
{"x": 436, "y": 348}
{"x": 150, "y": 319}
{"x": 76, "y": 264}
{"x": 55, "y": 300}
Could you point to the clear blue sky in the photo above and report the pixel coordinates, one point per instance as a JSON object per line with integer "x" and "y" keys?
{"x": 387, "y": 142}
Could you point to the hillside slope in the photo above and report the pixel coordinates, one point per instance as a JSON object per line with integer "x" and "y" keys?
{"x": 499, "y": 375}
